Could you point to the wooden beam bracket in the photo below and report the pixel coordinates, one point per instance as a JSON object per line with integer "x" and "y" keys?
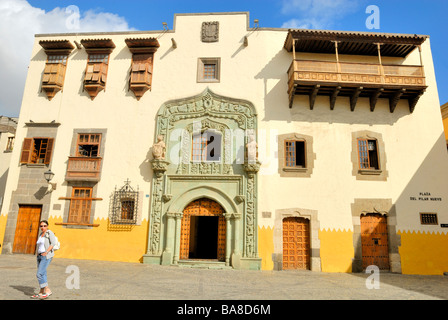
{"x": 354, "y": 98}
{"x": 413, "y": 101}
{"x": 333, "y": 97}
{"x": 393, "y": 101}
{"x": 374, "y": 98}
{"x": 313, "y": 96}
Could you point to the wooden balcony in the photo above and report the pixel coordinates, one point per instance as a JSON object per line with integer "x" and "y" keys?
{"x": 354, "y": 80}
{"x": 83, "y": 169}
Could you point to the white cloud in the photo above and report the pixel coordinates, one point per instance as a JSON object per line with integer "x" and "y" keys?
{"x": 316, "y": 14}
{"x": 19, "y": 22}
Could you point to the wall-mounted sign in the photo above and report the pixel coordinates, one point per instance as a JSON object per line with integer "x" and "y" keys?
{"x": 444, "y": 225}
{"x": 425, "y": 196}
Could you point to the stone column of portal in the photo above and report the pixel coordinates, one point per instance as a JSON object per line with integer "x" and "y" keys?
{"x": 237, "y": 222}
{"x": 228, "y": 243}
{"x": 167, "y": 256}
{"x": 179, "y": 216}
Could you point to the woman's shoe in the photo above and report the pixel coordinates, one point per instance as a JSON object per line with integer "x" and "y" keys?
{"x": 45, "y": 295}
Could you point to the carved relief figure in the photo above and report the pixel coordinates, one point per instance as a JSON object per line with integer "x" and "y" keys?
{"x": 252, "y": 149}
{"x": 159, "y": 149}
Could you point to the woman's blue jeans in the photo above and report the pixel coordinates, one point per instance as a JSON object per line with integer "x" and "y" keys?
{"x": 42, "y": 265}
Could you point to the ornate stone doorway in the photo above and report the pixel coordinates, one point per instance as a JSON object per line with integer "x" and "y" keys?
{"x": 182, "y": 173}
{"x": 203, "y": 231}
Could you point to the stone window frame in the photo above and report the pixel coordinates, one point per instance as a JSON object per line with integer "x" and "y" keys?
{"x": 310, "y": 156}
{"x": 200, "y": 73}
{"x": 80, "y": 184}
{"x": 380, "y": 174}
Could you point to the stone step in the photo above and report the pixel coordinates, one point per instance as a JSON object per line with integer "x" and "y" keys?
{"x": 203, "y": 264}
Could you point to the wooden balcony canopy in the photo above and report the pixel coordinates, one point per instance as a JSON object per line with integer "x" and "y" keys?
{"x": 142, "y": 45}
{"x": 57, "y": 46}
{"x": 354, "y": 43}
{"x": 355, "y": 79}
{"x": 98, "y": 45}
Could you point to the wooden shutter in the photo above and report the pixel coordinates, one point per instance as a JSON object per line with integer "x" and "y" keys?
{"x": 80, "y": 205}
{"x": 49, "y": 151}
{"x": 26, "y": 150}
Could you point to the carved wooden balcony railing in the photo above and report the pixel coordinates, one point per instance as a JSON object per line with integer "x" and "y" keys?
{"x": 83, "y": 169}
{"x": 311, "y": 77}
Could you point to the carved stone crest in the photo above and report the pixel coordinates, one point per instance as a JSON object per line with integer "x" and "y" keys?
{"x": 210, "y": 31}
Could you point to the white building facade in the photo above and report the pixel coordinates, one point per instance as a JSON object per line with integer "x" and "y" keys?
{"x": 219, "y": 143}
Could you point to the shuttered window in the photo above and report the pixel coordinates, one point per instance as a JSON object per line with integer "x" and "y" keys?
{"x": 54, "y": 72}
{"x": 80, "y": 206}
{"x": 96, "y": 72}
{"x": 36, "y": 151}
{"x": 141, "y": 68}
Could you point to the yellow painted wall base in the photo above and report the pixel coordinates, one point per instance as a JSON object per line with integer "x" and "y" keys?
{"x": 106, "y": 242}
{"x": 3, "y": 220}
{"x": 424, "y": 253}
{"x": 336, "y": 250}
{"x": 266, "y": 247}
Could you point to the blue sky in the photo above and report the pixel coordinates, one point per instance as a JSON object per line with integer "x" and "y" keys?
{"x": 28, "y": 17}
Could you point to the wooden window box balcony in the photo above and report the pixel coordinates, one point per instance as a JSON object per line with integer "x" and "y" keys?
{"x": 313, "y": 77}
{"x": 83, "y": 169}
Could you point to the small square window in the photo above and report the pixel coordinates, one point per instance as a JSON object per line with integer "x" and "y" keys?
{"x": 429, "y": 218}
{"x": 209, "y": 70}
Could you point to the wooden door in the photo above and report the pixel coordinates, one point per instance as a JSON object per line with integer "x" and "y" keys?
{"x": 296, "y": 243}
{"x": 374, "y": 241}
{"x": 27, "y": 229}
{"x": 203, "y": 207}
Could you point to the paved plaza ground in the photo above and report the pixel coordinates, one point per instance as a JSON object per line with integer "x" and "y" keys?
{"x": 102, "y": 280}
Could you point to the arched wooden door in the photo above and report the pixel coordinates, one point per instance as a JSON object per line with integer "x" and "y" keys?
{"x": 196, "y": 231}
{"x": 374, "y": 241}
{"x": 296, "y": 243}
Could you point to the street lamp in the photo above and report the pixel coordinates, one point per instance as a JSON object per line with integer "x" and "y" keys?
{"x": 48, "y": 176}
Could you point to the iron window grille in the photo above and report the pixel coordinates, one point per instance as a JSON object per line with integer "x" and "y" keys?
{"x": 429, "y": 218}
{"x": 124, "y": 205}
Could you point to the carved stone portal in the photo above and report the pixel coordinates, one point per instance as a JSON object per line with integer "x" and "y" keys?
{"x": 178, "y": 180}
{"x": 210, "y": 31}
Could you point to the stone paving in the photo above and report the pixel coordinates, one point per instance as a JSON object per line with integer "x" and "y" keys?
{"x": 102, "y": 280}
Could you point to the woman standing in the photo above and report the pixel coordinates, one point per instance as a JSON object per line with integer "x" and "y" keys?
{"x": 45, "y": 253}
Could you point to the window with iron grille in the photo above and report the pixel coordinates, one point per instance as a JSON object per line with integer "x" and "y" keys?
{"x": 124, "y": 205}
{"x": 429, "y": 218}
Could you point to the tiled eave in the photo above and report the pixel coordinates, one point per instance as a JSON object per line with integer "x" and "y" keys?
{"x": 354, "y": 43}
